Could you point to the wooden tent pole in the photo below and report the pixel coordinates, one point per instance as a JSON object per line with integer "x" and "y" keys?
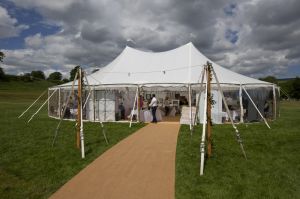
{"x": 132, "y": 111}
{"x": 209, "y": 99}
{"x": 202, "y": 144}
{"x": 199, "y": 96}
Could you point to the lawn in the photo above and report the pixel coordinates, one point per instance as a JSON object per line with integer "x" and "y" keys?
{"x": 29, "y": 166}
{"x": 271, "y": 171}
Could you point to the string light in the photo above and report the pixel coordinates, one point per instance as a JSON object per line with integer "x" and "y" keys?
{"x": 154, "y": 71}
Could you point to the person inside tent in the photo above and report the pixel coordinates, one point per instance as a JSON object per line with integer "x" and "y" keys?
{"x": 167, "y": 105}
{"x": 153, "y": 106}
{"x": 121, "y": 111}
{"x": 266, "y": 109}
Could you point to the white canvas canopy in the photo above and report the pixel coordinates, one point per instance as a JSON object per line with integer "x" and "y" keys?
{"x": 182, "y": 65}
{"x": 175, "y": 72}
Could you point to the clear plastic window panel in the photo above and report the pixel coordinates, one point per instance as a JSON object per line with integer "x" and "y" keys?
{"x": 53, "y": 104}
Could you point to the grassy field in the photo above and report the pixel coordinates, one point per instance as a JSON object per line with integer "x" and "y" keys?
{"x": 29, "y": 166}
{"x": 271, "y": 171}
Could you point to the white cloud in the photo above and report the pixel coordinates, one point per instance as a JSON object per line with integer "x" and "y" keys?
{"x": 8, "y": 25}
{"x": 34, "y": 41}
{"x": 93, "y": 32}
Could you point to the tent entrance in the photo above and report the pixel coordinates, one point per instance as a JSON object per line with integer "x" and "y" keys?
{"x": 170, "y": 104}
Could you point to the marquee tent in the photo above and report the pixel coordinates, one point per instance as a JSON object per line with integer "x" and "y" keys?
{"x": 175, "y": 75}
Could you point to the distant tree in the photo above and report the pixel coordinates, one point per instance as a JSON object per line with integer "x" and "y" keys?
{"x": 270, "y": 79}
{"x": 65, "y": 80}
{"x": 73, "y": 72}
{"x": 55, "y": 77}
{"x": 2, "y": 55}
{"x": 26, "y": 77}
{"x": 286, "y": 87}
{"x": 38, "y": 74}
{"x": 295, "y": 92}
{"x": 2, "y": 74}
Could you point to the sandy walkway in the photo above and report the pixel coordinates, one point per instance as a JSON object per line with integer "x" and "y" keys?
{"x": 140, "y": 166}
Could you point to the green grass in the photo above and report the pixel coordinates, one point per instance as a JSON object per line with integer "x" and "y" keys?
{"x": 29, "y": 166}
{"x": 271, "y": 171}
{"x": 16, "y": 90}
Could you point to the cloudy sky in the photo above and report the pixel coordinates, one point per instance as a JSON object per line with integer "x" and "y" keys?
{"x": 254, "y": 37}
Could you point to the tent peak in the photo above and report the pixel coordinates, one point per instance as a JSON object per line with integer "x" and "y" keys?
{"x": 145, "y": 50}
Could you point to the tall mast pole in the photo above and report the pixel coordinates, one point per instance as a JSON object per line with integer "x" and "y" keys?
{"x": 81, "y": 118}
{"x": 209, "y": 101}
{"x": 78, "y": 109}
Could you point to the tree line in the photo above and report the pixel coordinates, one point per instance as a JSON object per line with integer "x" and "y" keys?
{"x": 55, "y": 77}
{"x": 291, "y": 86}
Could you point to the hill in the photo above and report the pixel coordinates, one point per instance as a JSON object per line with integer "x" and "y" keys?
{"x": 13, "y": 90}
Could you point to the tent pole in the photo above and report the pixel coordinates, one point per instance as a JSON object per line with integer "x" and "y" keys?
{"x": 94, "y": 103}
{"x": 48, "y": 103}
{"x": 208, "y": 101}
{"x": 241, "y": 104}
{"x": 199, "y": 96}
{"x": 274, "y": 103}
{"x": 42, "y": 106}
{"x": 190, "y": 104}
{"x": 256, "y": 107}
{"x": 239, "y": 139}
{"x": 59, "y": 105}
{"x": 190, "y": 61}
{"x": 105, "y": 99}
{"x": 202, "y": 145}
{"x": 87, "y": 98}
{"x": 32, "y": 104}
{"x": 90, "y": 90}
{"x": 131, "y": 114}
{"x": 81, "y": 119}
{"x": 197, "y": 108}
{"x": 78, "y": 109}
{"x": 100, "y": 121}
{"x": 285, "y": 93}
{"x": 279, "y": 101}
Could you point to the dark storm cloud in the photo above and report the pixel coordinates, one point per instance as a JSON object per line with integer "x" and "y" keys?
{"x": 98, "y": 35}
{"x": 275, "y": 24}
{"x": 274, "y": 12}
